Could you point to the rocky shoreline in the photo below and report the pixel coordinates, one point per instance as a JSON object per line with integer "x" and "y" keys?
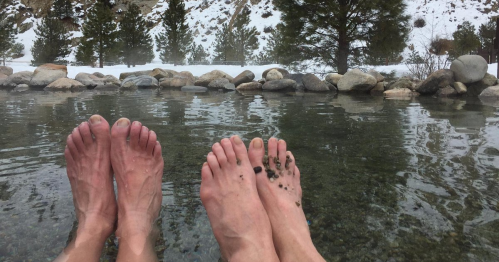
{"x": 467, "y": 76}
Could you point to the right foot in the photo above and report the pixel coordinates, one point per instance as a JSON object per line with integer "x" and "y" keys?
{"x": 138, "y": 168}
{"x": 281, "y": 198}
{"x": 229, "y": 194}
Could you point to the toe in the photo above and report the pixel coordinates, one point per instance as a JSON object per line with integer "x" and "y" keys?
{"x": 135, "y": 134}
{"x": 72, "y": 147}
{"x": 144, "y": 135}
{"x": 240, "y": 149}
{"x": 256, "y": 152}
{"x": 206, "y": 182}
{"x": 272, "y": 150}
{"x": 213, "y": 163}
{"x": 151, "y": 142}
{"x": 281, "y": 152}
{"x": 76, "y": 136}
{"x": 296, "y": 179}
{"x": 220, "y": 154}
{"x": 119, "y": 132}
{"x": 99, "y": 128}
{"x": 69, "y": 158}
{"x": 86, "y": 136}
{"x": 157, "y": 150}
{"x": 229, "y": 151}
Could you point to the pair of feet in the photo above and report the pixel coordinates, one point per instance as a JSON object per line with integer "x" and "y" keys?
{"x": 253, "y": 201}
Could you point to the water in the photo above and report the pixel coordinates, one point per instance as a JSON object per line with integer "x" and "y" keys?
{"x": 383, "y": 180}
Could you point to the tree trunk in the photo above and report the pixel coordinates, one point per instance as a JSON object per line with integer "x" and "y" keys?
{"x": 101, "y": 55}
{"x": 343, "y": 50}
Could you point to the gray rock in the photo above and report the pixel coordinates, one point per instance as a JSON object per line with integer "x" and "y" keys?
{"x": 330, "y": 86}
{"x": 278, "y": 85}
{"x": 109, "y": 87}
{"x": 298, "y": 79}
{"x": 42, "y": 77}
{"x": 475, "y": 89}
{"x": 447, "y": 91}
{"x": 491, "y": 92}
{"x": 21, "y": 88}
{"x": 128, "y": 86}
{"x": 400, "y": 92}
{"x": 283, "y": 72}
{"x": 64, "y": 84}
{"x": 245, "y": 77}
{"x": 19, "y": 78}
{"x": 401, "y": 83}
{"x": 377, "y": 75}
{"x": 136, "y": 73}
{"x": 142, "y": 81}
{"x": 90, "y": 80}
{"x": 313, "y": 83}
{"x": 438, "y": 79}
{"x": 6, "y": 70}
{"x": 221, "y": 83}
{"x": 378, "y": 89}
{"x": 333, "y": 78}
{"x": 249, "y": 86}
{"x": 187, "y": 75}
{"x": 99, "y": 74}
{"x": 111, "y": 80}
{"x": 262, "y": 81}
{"x": 176, "y": 82}
{"x": 356, "y": 81}
{"x": 194, "y": 89}
{"x": 159, "y": 73}
{"x": 469, "y": 68}
{"x": 206, "y": 79}
{"x": 460, "y": 88}
{"x": 273, "y": 75}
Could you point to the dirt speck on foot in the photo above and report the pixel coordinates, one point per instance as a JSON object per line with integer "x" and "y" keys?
{"x": 238, "y": 161}
{"x": 298, "y": 203}
{"x": 257, "y": 169}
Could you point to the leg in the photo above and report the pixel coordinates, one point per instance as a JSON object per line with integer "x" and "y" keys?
{"x": 90, "y": 175}
{"x": 281, "y": 197}
{"x": 138, "y": 167}
{"x": 229, "y": 194}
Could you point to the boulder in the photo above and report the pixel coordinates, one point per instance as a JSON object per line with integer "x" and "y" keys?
{"x": 273, "y": 75}
{"x": 46, "y": 74}
{"x": 206, "y": 79}
{"x": 378, "y": 89}
{"x": 333, "y": 78}
{"x": 159, "y": 73}
{"x": 330, "y": 86}
{"x": 262, "y": 81}
{"x": 475, "y": 89}
{"x": 6, "y": 70}
{"x": 278, "y": 85}
{"x": 107, "y": 87}
{"x": 111, "y": 80}
{"x": 141, "y": 81}
{"x": 400, "y": 92}
{"x": 194, "y": 89}
{"x": 460, "y": 88}
{"x": 3, "y": 76}
{"x": 136, "y": 73}
{"x": 313, "y": 83}
{"x": 401, "y": 83}
{"x": 298, "y": 79}
{"x": 21, "y": 88}
{"x": 249, "y": 86}
{"x": 377, "y": 75}
{"x": 128, "y": 86}
{"x": 187, "y": 75}
{"x": 438, "y": 79}
{"x": 89, "y": 80}
{"x": 491, "y": 92}
{"x": 176, "y": 82}
{"x": 357, "y": 81}
{"x": 64, "y": 84}
{"x": 221, "y": 83}
{"x": 469, "y": 68}
{"x": 99, "y": 74}
{"x": 49, "y": 66}
{"x": 245, "y": 77}
{"x": 23, "y": 77}
{"x": 283, "y": 72}
{"x": 447, "y": 91}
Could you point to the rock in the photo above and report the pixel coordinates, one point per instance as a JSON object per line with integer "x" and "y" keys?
{"x": 89, "y": 80}
{"x": 21, "y": 88}
{"x": 475, "y": 89}
{"x": 3, "y": 76}
{"x": 447, "y": 91}
{"x": 460, "y": 88}
{"x": 491, "y": 92}
{"x": 6, "y": 70}
{"x": 262, "y": 81}
{"x": 176, "y": 82}
{"x": 377, "y": 75}
{"x": 136, "y": 73}
{"x": 298, "y": 79}
{"x": 111, "y": 80}
{"x": 141, "y": 81}
{"x": 245, "y": 77}
{"x": 330, "y": 86}
{"x": 333, "y": 78}
{"x": 99, "y": 74}
{"x": 130, "y": 85}
{"x": 469, "y": 68}
{"x": 221, "y": 83}
{"x": 438, "y": 79}
{"x": 283, "y": 72}
{"x": 312, "y": 83}
{"x": 46, "y": 74}
{"x": 273, "y": 75}
{"x": 187, "y": 75}
{"x": 356, "y": 80}
{"x": 159, "y": 73}
{"x": 23, "y": 77}
{"x": 278, "y": 85}
{"x": 206, "y": 79}
{"x": 401, "y": 83}
{"x": 249, "y": 86}
{"x": 64, "y": 84}
{"x": 108, "y": 87}
{"x": 378, "y": 89}
{"x": 194, "y": 89}
{"x": 400, "y": 92}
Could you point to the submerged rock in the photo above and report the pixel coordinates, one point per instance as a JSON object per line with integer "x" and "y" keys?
{"x": 142, "y": 81}
{"x": 194, "y": 89}
{"x": 491, "y": 92}
{"x": 400, "y": 92}
{"x": 447, "y": 91}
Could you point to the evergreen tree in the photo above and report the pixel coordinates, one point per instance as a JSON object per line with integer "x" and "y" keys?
{"x": 224, "y": 45}
{"x": 99, "y": 32}
{"x": 175, "y": 41}
{"x": 52, "y": 41}
{"x": 487, "y": 33}
{"x": 85, "y": 53}
{"x": 245, "y": 40}
{"x": 325, "y": 30}
{"x": 465, "y": 40}
{"x": 62, "y": 9}
{"x": 136, "y": 43}
{"x": 8, "y": 33}
{"x": 198, "y": 55}
{"x": 271, "y": 51}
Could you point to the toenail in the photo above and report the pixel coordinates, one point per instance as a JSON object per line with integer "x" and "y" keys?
{"x": 136, "y": 123}
{"x": 257, "y": 144}
{"x": 95, "y": 119}
{"x": 238, "y": 140}
{"x": 123, "y": 122}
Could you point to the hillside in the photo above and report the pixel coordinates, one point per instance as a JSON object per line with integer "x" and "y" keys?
{"x": 206, "y": 16}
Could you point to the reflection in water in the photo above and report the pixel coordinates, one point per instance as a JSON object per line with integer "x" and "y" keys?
{"x": 384, "y": 180}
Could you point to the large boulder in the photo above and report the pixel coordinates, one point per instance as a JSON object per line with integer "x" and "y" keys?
{"x": 6, "y": 70}
{"x": 187, "y": 74}
{"x": 136, "y": 73}
{"x": 159, "y": 73}
{"x": 447, "y": 91}
{"x": 206, "y": 79}
{"x": 176, "y": 82}
{"x": 98, "y": 74}
{"x": 111, "y": 80}
{"x": 249, "y": 86}
{"x": 491, "y": 92}
{"x": 400, "y": 92}
{"x": 221, "y": 83}
{"x": 245, "y": 77}
{"x": 64, "y": 84}
{"x": 313, "y": 83}
{"x": 401, "y": 83}
{"x": 89, "y": 80}
{"x": 23, "y": 77}
{"x": 333, "y": 78}
{"x": 141, "y": 81}
{"x": 283, "y": 72}
{"x": 49, "y": 66}
{"x": 438, "y": 79}
{"x": 3, "y": 78}
{"x": 356, "y": 81}
{"x": 278, "y": 85}
{"x": 298, "y": 79}
{"x": 475, "y": 89}
{"x": 469, "y": 68}
{"x": 46, "y": 74}
{"x": 379, "y": 77}
{"x": 194, "y": 89}
{"x": 273, "y": 74}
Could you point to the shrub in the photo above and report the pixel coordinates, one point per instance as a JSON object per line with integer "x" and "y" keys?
{"x": 419, "y": 22}
{"x": 266, "y": 14}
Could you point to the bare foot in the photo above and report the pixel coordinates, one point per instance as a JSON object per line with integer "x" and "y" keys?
{"x": 281, "y": 196}
{"x": 229, "y": 194}
{"x": 138, "y": 167}
{"x": 90, "y": 175}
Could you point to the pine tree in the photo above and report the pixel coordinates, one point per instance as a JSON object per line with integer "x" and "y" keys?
{"x": 85, "y": 53}
{"x": 175, "y": 41}
{"x": 8, "y": 33}
{"x": 136, "y": 43}
{"x": 224, "y": 45}
{"x": 52, "y": 42}
{"x": 245, "y": 40}
{"x": 271, "y": 52}
{"x": 99, "y": 31}
{"x": 465, "y": 40}
{"x": 487, "y": 33}
{"x": 326, "y": 30}
{"x": 198, "y": 55}
{"x": 62, "y": 9}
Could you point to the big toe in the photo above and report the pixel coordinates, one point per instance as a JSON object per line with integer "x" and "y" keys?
{"x": 99, "y": 128}
{"x": 120, "y": 132}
